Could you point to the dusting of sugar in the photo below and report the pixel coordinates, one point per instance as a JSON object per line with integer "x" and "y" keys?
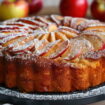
{"x": 67, "y": 21}
{"x": 47, "y": 47}
{"x": 68, "y": 29}
{"x": 24, "y": 47}
{"x": 90, "y": 32}
{"x": 60, "y": 49}
{"x": 10, "y": 37}
{"x": 54, "y": 18}
{"x": 79, "y": 47}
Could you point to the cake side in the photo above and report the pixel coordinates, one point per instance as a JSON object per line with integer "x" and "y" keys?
{"x": 35, "y": 74}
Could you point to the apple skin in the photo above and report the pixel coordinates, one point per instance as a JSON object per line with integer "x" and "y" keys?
{"x": 35, "y": 6}
{"x": 16, "y": 9}
{"x": 98, "y": 9}
{"x": 74, "y": 8}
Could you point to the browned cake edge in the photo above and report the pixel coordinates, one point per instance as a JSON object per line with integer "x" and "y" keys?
{"x": 30, "y": 73}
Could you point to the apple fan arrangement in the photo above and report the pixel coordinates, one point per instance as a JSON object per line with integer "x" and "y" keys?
{"x": 75, "y": 8}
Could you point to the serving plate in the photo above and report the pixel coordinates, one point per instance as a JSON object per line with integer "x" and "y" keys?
{"x": 73, "y": 98}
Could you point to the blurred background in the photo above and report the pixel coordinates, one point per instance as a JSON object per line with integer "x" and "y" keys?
{"x": 53, "y": 3}
{"x": 75, "y": 8}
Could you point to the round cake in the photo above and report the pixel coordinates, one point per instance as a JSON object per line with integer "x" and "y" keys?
{"x": 52, "y": 53}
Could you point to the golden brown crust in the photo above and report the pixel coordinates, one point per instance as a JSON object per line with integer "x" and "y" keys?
{"x": 44, "y": 75}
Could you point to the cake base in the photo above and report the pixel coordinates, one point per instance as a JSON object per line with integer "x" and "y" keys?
{"x": 74, "y": 98}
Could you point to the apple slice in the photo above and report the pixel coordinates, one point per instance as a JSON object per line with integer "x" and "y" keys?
{"x": 77, "y": 47}
{"x": 66, "y": 21}
{"x": 56, "y": 19}
{"x": 99, "y": 33}
{"x": 10, "y": 39}
{"x": 61, "y": 36}
{"x": 61, "y": 48}
{"x": 31, "y": 21}
{"x": 48, "y": 48}
{"x": 40, "y": 44}
{"x": 3, "y": 35}
{"x": 7, "y": 27}
{"x": 68, "y": 32}
{"x": 10, "y": 31}
{"x": 95, "y": 26}
{"x": 42, "y": 19}
{"x": 52, "y": 27}
{"x": 20, "y": 41}
{"x": 15, "y": 43}
{"x": 75, "y": 22}
{"x": 84, "y": 25}
{"x": 52, "y": 37}
{"x": 21, "y": 24}
{"x": 9, "y": 21}
{"x": 96, "y": 41}
{"x": 26, "y": 48}
{"x": 45, "y": 36}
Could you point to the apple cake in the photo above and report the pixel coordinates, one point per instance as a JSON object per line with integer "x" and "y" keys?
{"x": 52, "y": 53}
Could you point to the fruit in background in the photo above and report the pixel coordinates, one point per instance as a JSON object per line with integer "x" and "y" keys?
{"x": 35, "y": 6}
{"x": 98, "y": 9}
{"x": 13, "y": 9}
{"x": 75, "y": 8}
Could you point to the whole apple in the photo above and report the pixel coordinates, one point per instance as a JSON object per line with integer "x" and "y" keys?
{"x": 13, "y": 9}
{"x": 75, "y": 8}
{"x": 35, "y": 6}
{"x": 98, "y": 9}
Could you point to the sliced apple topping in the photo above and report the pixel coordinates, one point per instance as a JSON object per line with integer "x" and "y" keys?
{"x": 20, "y": 41}
{"x": 86, "y": 24}
{"x": 25, "y": 48}
{"x": 57, "y": 19}
{"x": 68, "y": 32}
{"x": 43, "y": 20}
{"x": 21, "y": 24}
{"x": 61, "y": 48}
{"x": 75, "y": 22}
{"x": 61, "y": 36}
{"x": 40, "y": 44}
{"x": 77, "y": 47}
{"x": 6, "y": 27}
{"x": 52, "y": 27}
{"x": 66, "y": 21}
{"x": 52, "y": 37}
{"x": 99, "y": 33}
{"x": 96, "y": 41}
{"x": 45, "y": 36}
{"x": 48, "y": 48}
{"x": 95, "y": 26}
{"x": 31, "y": 21}
{"x": 3, "y": 35}
{"x": 16, "y": 43}
{"x": 10, "y": 21}
{"x": 10, "y": 39}
{"x": 14, "y": 31}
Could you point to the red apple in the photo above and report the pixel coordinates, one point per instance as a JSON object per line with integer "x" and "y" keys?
{"x": 98, "y": 9}
{"x": 35, "y": 6}
{"x": 75, "y": 8}
{"x": 13, "y": 9}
